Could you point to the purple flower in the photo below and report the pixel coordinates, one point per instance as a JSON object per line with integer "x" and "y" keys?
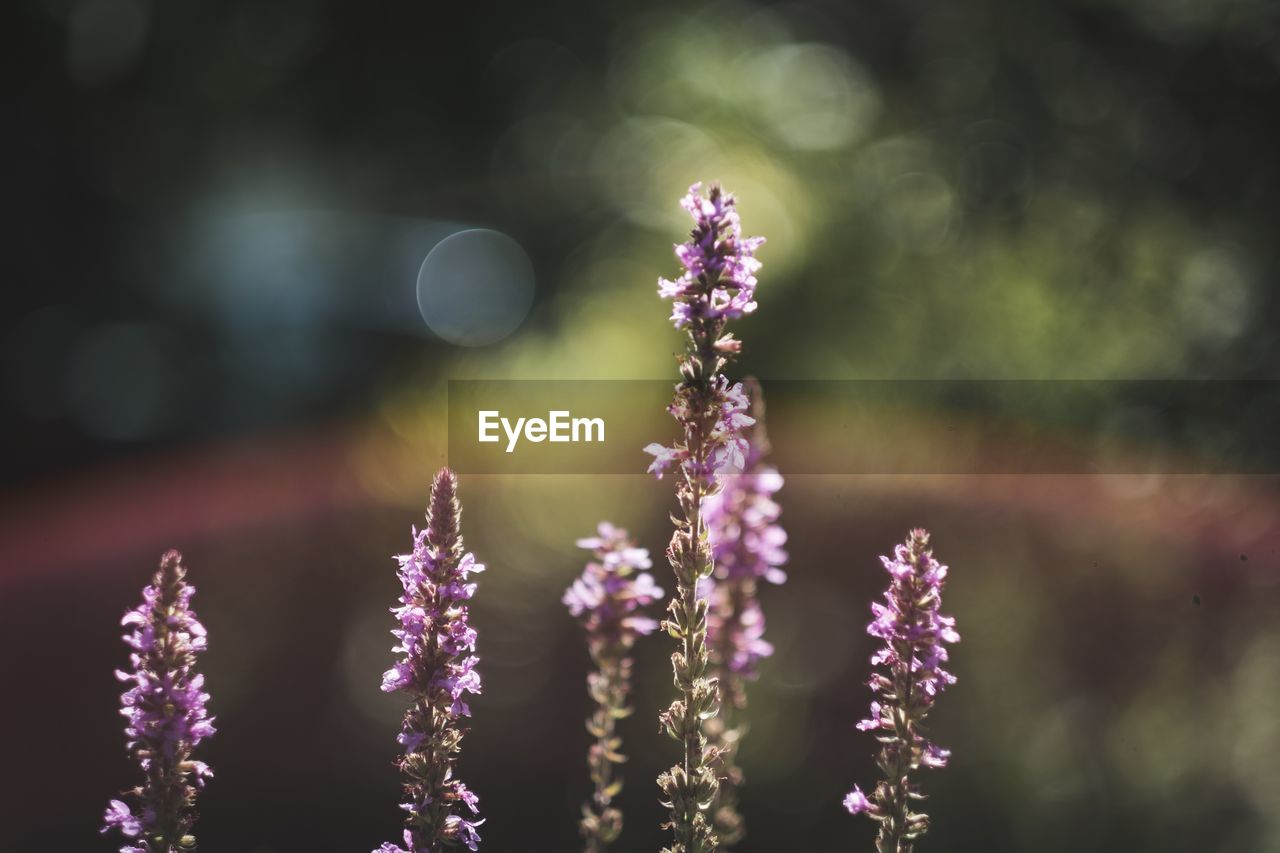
{"x": 463, "y": 832}
{"x": 165, "y": 709}
{"x": 717, "y": 285}
{"x": 719, "y": 280}
{"x": 856, "y": 801}
{"x": 609, "y": 594}
{"x": 433, "y": 639}
{"x": 608, "y": 599}
{"x": 725, "y": 447}
{"x": 911, "y": 676}
{"x": 747, "y": 547}
{"x": 122, "y": 818}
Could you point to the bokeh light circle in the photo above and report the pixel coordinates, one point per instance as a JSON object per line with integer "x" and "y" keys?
{"x": 813, "y": 96}
{"x": 475, "y": 287}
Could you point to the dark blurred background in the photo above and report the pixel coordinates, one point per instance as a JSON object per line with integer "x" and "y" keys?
{"x": 222, "y": 333}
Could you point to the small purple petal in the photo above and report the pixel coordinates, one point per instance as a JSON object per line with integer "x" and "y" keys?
{"x": 856, "y": 801}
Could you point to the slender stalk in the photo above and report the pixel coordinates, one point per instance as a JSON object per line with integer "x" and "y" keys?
{"x": 608, "y": 599}
{"x": 718, "y": 284}
{"x": 601, "y": 822}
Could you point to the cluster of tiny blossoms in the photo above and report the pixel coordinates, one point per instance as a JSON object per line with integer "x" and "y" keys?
{"x": 717, "y": 285}
{"x": 727, "y": 540}
{"x": 167, "y": 715}
{"x": 911, "y": 677}
{"x": 609, "y": 594}
{"x": 608, "y": 599}
{"x": 436, "y": 670}
{"x": 747, "y": 547}
{"x": 718, "y": 282}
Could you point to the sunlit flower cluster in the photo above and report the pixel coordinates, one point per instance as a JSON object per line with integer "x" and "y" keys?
{"x": 719, "y": 279}
{"x": 908, "y": 682}
{"x": 166, "y": 709}
{"x": 437, "y": 670}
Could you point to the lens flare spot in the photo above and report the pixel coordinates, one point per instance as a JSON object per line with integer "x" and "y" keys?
{"x": 475, "y": 287}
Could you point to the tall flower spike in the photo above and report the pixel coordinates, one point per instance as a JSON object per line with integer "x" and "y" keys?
{"x": 437, "y": 670}
{"x": 166, "y": 709}
{"x": 717, "y": 285}
{"x": 608, "y": 599}
{"x": 746, "y": 544}
{"x": 910, "y": 678}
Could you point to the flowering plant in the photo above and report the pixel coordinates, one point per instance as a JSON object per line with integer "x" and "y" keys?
{"x": 717, "y": 285}
{"x": 166, "y": 709}
{"x": 910, "y": 678}
{"x": 436, "y": 670}
{"x": 607, "y": 599}
{"x": 746, "y": 546}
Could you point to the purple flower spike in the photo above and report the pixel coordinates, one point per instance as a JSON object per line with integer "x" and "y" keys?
{"x": 718, "y": 285}
{"x": 911, "y": 676}
{"x": 165, "y": 706}
{"x": 747, "y": 546}
{"x": 608, "y": 599}
{"x": 437, "y": 671}
{"x": 718, "y": 282}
